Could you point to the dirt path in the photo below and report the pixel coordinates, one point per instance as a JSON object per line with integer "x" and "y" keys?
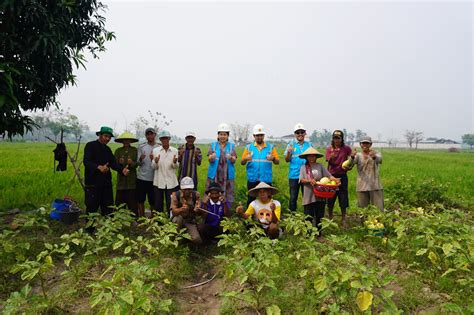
{"x": 203, "y": 299}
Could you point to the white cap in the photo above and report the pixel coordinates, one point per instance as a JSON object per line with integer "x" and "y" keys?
{"x": 223, "y": 127}
{"x": 186, "y": 183}
{"x": 258, "y": 130}
{"x": 299, "y": 126}
{"x": 190, "y": 134}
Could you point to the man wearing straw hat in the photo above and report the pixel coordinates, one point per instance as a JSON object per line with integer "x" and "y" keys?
{"x": 98, "y": 160}
{"x": 264, "y": 209}
{"x": 127, "y": 156}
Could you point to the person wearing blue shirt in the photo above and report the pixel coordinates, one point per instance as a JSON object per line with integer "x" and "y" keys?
{"x": 292, "y": 152}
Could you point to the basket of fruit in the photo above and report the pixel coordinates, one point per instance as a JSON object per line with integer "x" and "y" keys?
{"x": 325, "y": 188}
{"x": 374, "y": 227}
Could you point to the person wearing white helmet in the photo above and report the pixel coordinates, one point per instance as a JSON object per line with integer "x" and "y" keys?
{"x": 185, "y": 205}
{"x": 222, "y": 157}
{"x": 189, "y": 158}
{"x": 292, "y": 152}
{"x": 165, "y": 163}
{"x": 259, "y": 157}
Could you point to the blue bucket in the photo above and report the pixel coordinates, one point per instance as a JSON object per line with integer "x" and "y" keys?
{"x": 59, "y": 206}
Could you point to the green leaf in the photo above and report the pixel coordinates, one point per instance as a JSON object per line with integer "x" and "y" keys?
{"x": 127, "y": 250}
{"x": 117, "y": 245}
{"x": 127, "y": 296}
{"x": 447, "y": 248}
{"x": 320, "y": 284}
{"x": 29, "y": 274}
{"x": 421, "y": 251}
{"x": 433, "y": 257}
{"x": 273, "y": 310}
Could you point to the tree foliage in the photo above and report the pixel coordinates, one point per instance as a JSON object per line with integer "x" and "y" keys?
{"x": 40, "y": 43}
{"x": 468, "y": 139}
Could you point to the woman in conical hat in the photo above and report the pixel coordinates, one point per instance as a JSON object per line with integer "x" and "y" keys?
{"x": 264, "y": 209}
{"x": 127, "y": 156}
{"x": 310, "y": 173}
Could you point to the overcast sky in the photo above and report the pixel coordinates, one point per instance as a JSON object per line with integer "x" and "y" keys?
{"x": 382, "y": 67}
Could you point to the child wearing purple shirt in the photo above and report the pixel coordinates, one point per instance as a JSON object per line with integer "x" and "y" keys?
{"x": 214, "y": 208}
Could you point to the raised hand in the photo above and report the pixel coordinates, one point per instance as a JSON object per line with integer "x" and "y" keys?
{"x": 157, "y": 159}
{"x": 125, "y": 171}
{"x": 221, "y": 197}
{"x": 240, "y": 209}
{"x": 272, "y": 206}
{"x": 175, "y": 159}
{"x": 354, "y": 152}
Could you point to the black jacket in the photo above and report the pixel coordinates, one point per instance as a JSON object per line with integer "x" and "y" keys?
{"x": 95, "y": 154}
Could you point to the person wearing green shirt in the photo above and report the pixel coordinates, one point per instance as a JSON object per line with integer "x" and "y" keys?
{"x": 126, "y": 156}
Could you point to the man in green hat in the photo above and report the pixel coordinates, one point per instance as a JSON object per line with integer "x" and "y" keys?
{"x": 127, "y": 156}
{"x": 98, "y": 160}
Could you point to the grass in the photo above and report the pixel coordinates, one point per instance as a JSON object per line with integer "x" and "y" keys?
{"x": 28, "y": 180}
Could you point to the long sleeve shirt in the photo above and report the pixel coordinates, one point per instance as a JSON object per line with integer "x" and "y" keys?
{"x": 368, "y": 176}
{"x": 95, "y": 154}
{"x": 122, "y": 156}
{"x": 165, "y": 169}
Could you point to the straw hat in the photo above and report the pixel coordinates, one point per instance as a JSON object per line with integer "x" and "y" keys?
{"x": 254, "y": 191}
{"x": 310, "y": 151}
{"x": 126, "y": 136}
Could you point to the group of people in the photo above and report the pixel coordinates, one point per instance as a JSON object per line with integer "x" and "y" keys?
{"x": 167, "y": 177}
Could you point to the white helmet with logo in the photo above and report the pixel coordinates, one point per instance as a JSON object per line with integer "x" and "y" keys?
{"x": 299, "y": 126}
{"x": 223, "y": 127}
{"x": 258, "y": 130}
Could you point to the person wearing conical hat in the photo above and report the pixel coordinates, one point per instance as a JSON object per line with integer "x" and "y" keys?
{"x": 310, "y": 173}
{"x": 126, "y": 156}
{"x": 264, "y": 209}
{"x": 98, "y": 160}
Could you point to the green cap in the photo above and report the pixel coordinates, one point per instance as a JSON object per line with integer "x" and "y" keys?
{"x": 105, "y": 129}
{"x": 126, "y": 136}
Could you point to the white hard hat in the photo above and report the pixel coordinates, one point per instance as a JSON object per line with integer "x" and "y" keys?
{"x": 190, "y": 134}
{"x": 299, "y": 126}
{"x": 258, "y": 130}
{"x": 223, "y": 127}
{"x": 186, "y": 183}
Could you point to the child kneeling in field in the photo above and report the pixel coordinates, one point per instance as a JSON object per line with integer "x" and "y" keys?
{"x": 214, "y": 208}
{"x": 265, "y": 209}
